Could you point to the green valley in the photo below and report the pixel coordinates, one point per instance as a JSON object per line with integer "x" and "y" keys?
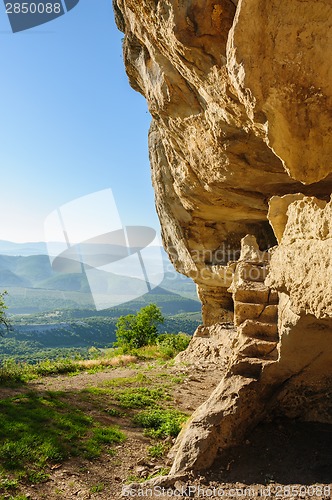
{"x": 53, "y": 314}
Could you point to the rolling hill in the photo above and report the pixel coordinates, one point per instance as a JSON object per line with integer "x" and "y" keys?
{"x": 33, "y": 287}
{"x": 54, "y": 313}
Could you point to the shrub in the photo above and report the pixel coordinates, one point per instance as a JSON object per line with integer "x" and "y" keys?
{"x": 11, "y": 372}
{"x": 171, "y": 344}
{"x": 137, "y": 330}
{"x": 5, "y": 323}
{"x": 59, "y": 366}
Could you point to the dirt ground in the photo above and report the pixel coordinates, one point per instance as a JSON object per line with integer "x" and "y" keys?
{"x": 279, "y": 459}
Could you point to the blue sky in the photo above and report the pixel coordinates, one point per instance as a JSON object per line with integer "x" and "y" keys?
{"x": 70, "y": 124}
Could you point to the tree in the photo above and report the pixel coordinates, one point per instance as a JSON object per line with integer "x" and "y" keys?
{"x": 4, "y": 321}
{"x": 140, "y": 329}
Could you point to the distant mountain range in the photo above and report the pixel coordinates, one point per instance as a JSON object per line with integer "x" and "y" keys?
{"x": 35, "y": 271}
{"x": 26, "y": 249}
{"x": 28, "y": 274}
{"x": 23, "y": 249}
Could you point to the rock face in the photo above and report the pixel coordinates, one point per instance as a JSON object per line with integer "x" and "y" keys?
{"x": 285, "y": 81}
{"x": 278, "y": 361}
{"x": 240, "y": 95}
{"x": 301, "y": 265}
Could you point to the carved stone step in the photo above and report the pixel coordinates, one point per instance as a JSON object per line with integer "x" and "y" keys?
{"x": 255, "y": 293}
{"x": 259, "y": 330}
{"x": 261, "y": 312}
{"x": 273, "y": 297}
{"x": 247, "y": 367}
{"x": 260, "y": 349}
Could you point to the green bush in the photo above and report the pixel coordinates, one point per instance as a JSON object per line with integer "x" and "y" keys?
{"x": 140, "y": 329}
{"x": 171, "y": 343}
{"x": 5, "y": 323}
{"x": 59, "y": 366}
{"x": 10, "y": 371}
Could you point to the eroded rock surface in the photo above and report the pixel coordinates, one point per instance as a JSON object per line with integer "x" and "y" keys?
{"x": 301, "y": 265}
{"x": 279, "y": 60}
{"x": 214, "y": 162}
{"x": 240, "y": 95}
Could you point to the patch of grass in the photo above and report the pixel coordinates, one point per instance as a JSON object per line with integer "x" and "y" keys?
{"x": 162, "y": 362}
{"x": 7, "y": 483}
{"x": 16, "y": 497}
{"x": 167, "y": 346}
{"x": 117, "y": 359}
{"x": 108, "y": 435}
{"x": 133, "y": 478}
{"x": 150, "y": 367}
{"x": 91, "y": 449}
{"x": 159, "y": 423}
{"x": 37, "y": 431}
{"x": 36, "y": 476}
{"x": 12, "y": 372}
{"x": 139, "y": 397}
{"x": 147, "y": 352}
{"x": 101, "y": 436}
{"x": 97, "y": 488}
{"x": 157, "y": 450}
{"x": 113, "y": 412}
{"x": 177, "y": 380}
{"x": 162, "y": 472}
{"x": 98, "y": 391}
{"x": 120, "y": 381}
{"x": 120, "y": 395}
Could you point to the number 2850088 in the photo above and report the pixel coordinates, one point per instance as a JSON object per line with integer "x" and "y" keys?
{"x": 315, "y": 490}
{"x": 33, "y": 8}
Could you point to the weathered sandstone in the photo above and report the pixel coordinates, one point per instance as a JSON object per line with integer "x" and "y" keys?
{"x": 240, "y": 94}
{"x": 212, "y": 168}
